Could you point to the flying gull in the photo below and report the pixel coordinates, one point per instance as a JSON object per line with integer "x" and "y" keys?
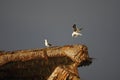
{"x": 76, "y": 31}
{"x": 47, "y": 44}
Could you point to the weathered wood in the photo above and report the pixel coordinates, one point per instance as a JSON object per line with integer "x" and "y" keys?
{"x": 42, "y": 64}
{"x": 61, "y": 73}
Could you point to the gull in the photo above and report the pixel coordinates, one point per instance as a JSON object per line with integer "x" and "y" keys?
{"x": 76, "y": 31}
{"x": 47, "y": 44}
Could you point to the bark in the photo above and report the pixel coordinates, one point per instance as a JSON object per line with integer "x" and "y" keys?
{"x": 53, "y": 63}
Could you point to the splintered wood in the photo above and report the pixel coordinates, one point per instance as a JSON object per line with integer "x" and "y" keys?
{"x": 62, "y": 74}
{"x": 53, "y": 63}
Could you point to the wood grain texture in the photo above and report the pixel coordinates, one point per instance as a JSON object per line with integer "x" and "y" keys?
{"x": 53, "y": 63}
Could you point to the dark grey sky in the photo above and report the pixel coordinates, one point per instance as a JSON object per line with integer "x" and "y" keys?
{"x": 25, "y": 23}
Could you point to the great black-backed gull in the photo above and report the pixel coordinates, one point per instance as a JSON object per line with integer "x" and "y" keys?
{"x": 47, "y": 44}
{"x": 76, "y": 31}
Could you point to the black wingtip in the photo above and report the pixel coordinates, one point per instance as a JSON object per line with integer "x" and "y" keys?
{"x": 74, "y": 25}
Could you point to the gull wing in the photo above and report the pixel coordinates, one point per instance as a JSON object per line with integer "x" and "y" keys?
{"x": 74, "y": 27}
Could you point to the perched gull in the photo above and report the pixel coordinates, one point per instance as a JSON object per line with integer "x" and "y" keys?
{"x": 76, "y": 31}
{"x": 47, "y": 44}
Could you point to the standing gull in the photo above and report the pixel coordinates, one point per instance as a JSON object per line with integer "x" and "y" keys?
{"x": 76, "y": 31}
{"x": 47, "y": 44}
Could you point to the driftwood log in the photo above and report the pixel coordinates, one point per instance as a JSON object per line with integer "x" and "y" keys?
{"x": 53, "y": 63}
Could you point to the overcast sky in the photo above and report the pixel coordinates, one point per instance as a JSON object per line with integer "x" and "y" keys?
{"x": 24, "y": 24}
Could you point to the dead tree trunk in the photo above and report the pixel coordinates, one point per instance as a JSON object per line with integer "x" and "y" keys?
{"x": 54, "y": 63}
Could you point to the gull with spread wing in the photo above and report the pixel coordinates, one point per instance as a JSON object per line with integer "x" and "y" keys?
{"x": 76, "y": 31}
